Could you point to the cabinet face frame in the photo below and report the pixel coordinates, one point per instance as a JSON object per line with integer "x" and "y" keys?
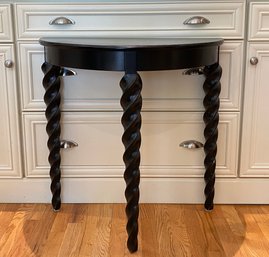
{"x": 9, "y": 136}
{"x": 255, "y": 127}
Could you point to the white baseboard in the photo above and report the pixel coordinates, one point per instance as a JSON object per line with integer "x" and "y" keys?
{"x": 152, "y": 190}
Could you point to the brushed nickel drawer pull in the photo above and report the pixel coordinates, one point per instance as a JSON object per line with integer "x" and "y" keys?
{"x": 61, "y": 21}
{"x": 68, "y": 144}
{"x": 196, "y": 20}
{"x": 191, "y": 144}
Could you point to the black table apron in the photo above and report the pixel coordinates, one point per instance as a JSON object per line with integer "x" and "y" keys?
{"x": 131, "y": 56}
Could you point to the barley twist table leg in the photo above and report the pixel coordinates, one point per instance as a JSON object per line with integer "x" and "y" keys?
{"x": 131, "y": 103}
{"x": 211, "y": 103}
{"x": 52, "y": 98}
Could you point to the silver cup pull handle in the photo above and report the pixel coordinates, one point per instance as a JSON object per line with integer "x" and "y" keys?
{"x": 196, "y": 20}
{"x": 68, "y": 144}
{"x": 191, "y": 144}
{"x": 61, "y": 21}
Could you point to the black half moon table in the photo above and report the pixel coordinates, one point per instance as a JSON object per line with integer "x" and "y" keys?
{"x": 131, "y": 56}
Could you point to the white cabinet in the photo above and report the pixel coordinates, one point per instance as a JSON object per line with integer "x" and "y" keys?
{"x": 10, "y": 150}
{"x": 172, "y": 103}
{"x": 174, "y": 100}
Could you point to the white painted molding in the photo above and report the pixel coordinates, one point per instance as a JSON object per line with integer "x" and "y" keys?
{"x": 111, "y": 190}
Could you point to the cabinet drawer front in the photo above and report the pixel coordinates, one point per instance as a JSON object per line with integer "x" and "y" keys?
{"x": 131, "y": 19}
{"x": 259, "y": 21}
{"x": 99, "y": 151}
{"x": 164, "y": 90}
{"x": 5, "y": 23}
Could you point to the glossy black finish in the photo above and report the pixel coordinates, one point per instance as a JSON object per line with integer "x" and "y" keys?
{"x": 131, "y": 102}
{"x": 52, "y": 98}
{"x": 131, "y": 56}
{"x": 211, "y": 103}
{"x": 112, "y": 54}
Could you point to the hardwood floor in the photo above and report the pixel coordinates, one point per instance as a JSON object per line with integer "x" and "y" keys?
{"x": 97, "y": 230}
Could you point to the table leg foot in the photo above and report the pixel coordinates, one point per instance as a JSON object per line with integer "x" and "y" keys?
{"x": 52, "y": 98}
{"x": 211, "y": 103}
{"x": 131, "y": 103}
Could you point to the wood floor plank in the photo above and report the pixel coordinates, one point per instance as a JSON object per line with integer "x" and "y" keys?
{"x": 118, "y": 235}
{"x": 262, "y": 220}
{"x": 72, "y": 240}
{"x": 254, "y": 240}
{"x": 59, "y": 226}
{"x": 88, "y": 239}
{"x": 230, "y": 241}
{"x": 101, "y": 243}
{"x": 14, "y": 236}
{"x": 6, "y": 215}
{"x": 179, "y": 233}
{"x": 195, "y": 230}
{"x": 165, "y": 230}
{"x": 149, "y": 238}
{"x": 213, "y": 245}
{"x": 95, "y": 241}
{"x": 38, "y": 228}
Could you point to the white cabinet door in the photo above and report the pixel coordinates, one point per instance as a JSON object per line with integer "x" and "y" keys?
{"x": 9, "y": 131}
{"x": 255, "y": 138}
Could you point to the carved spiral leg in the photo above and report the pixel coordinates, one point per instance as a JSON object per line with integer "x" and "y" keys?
{"x": 211, "y": 103}
{"x": 52, "y": 98}
{"x": 131, "y": 103}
